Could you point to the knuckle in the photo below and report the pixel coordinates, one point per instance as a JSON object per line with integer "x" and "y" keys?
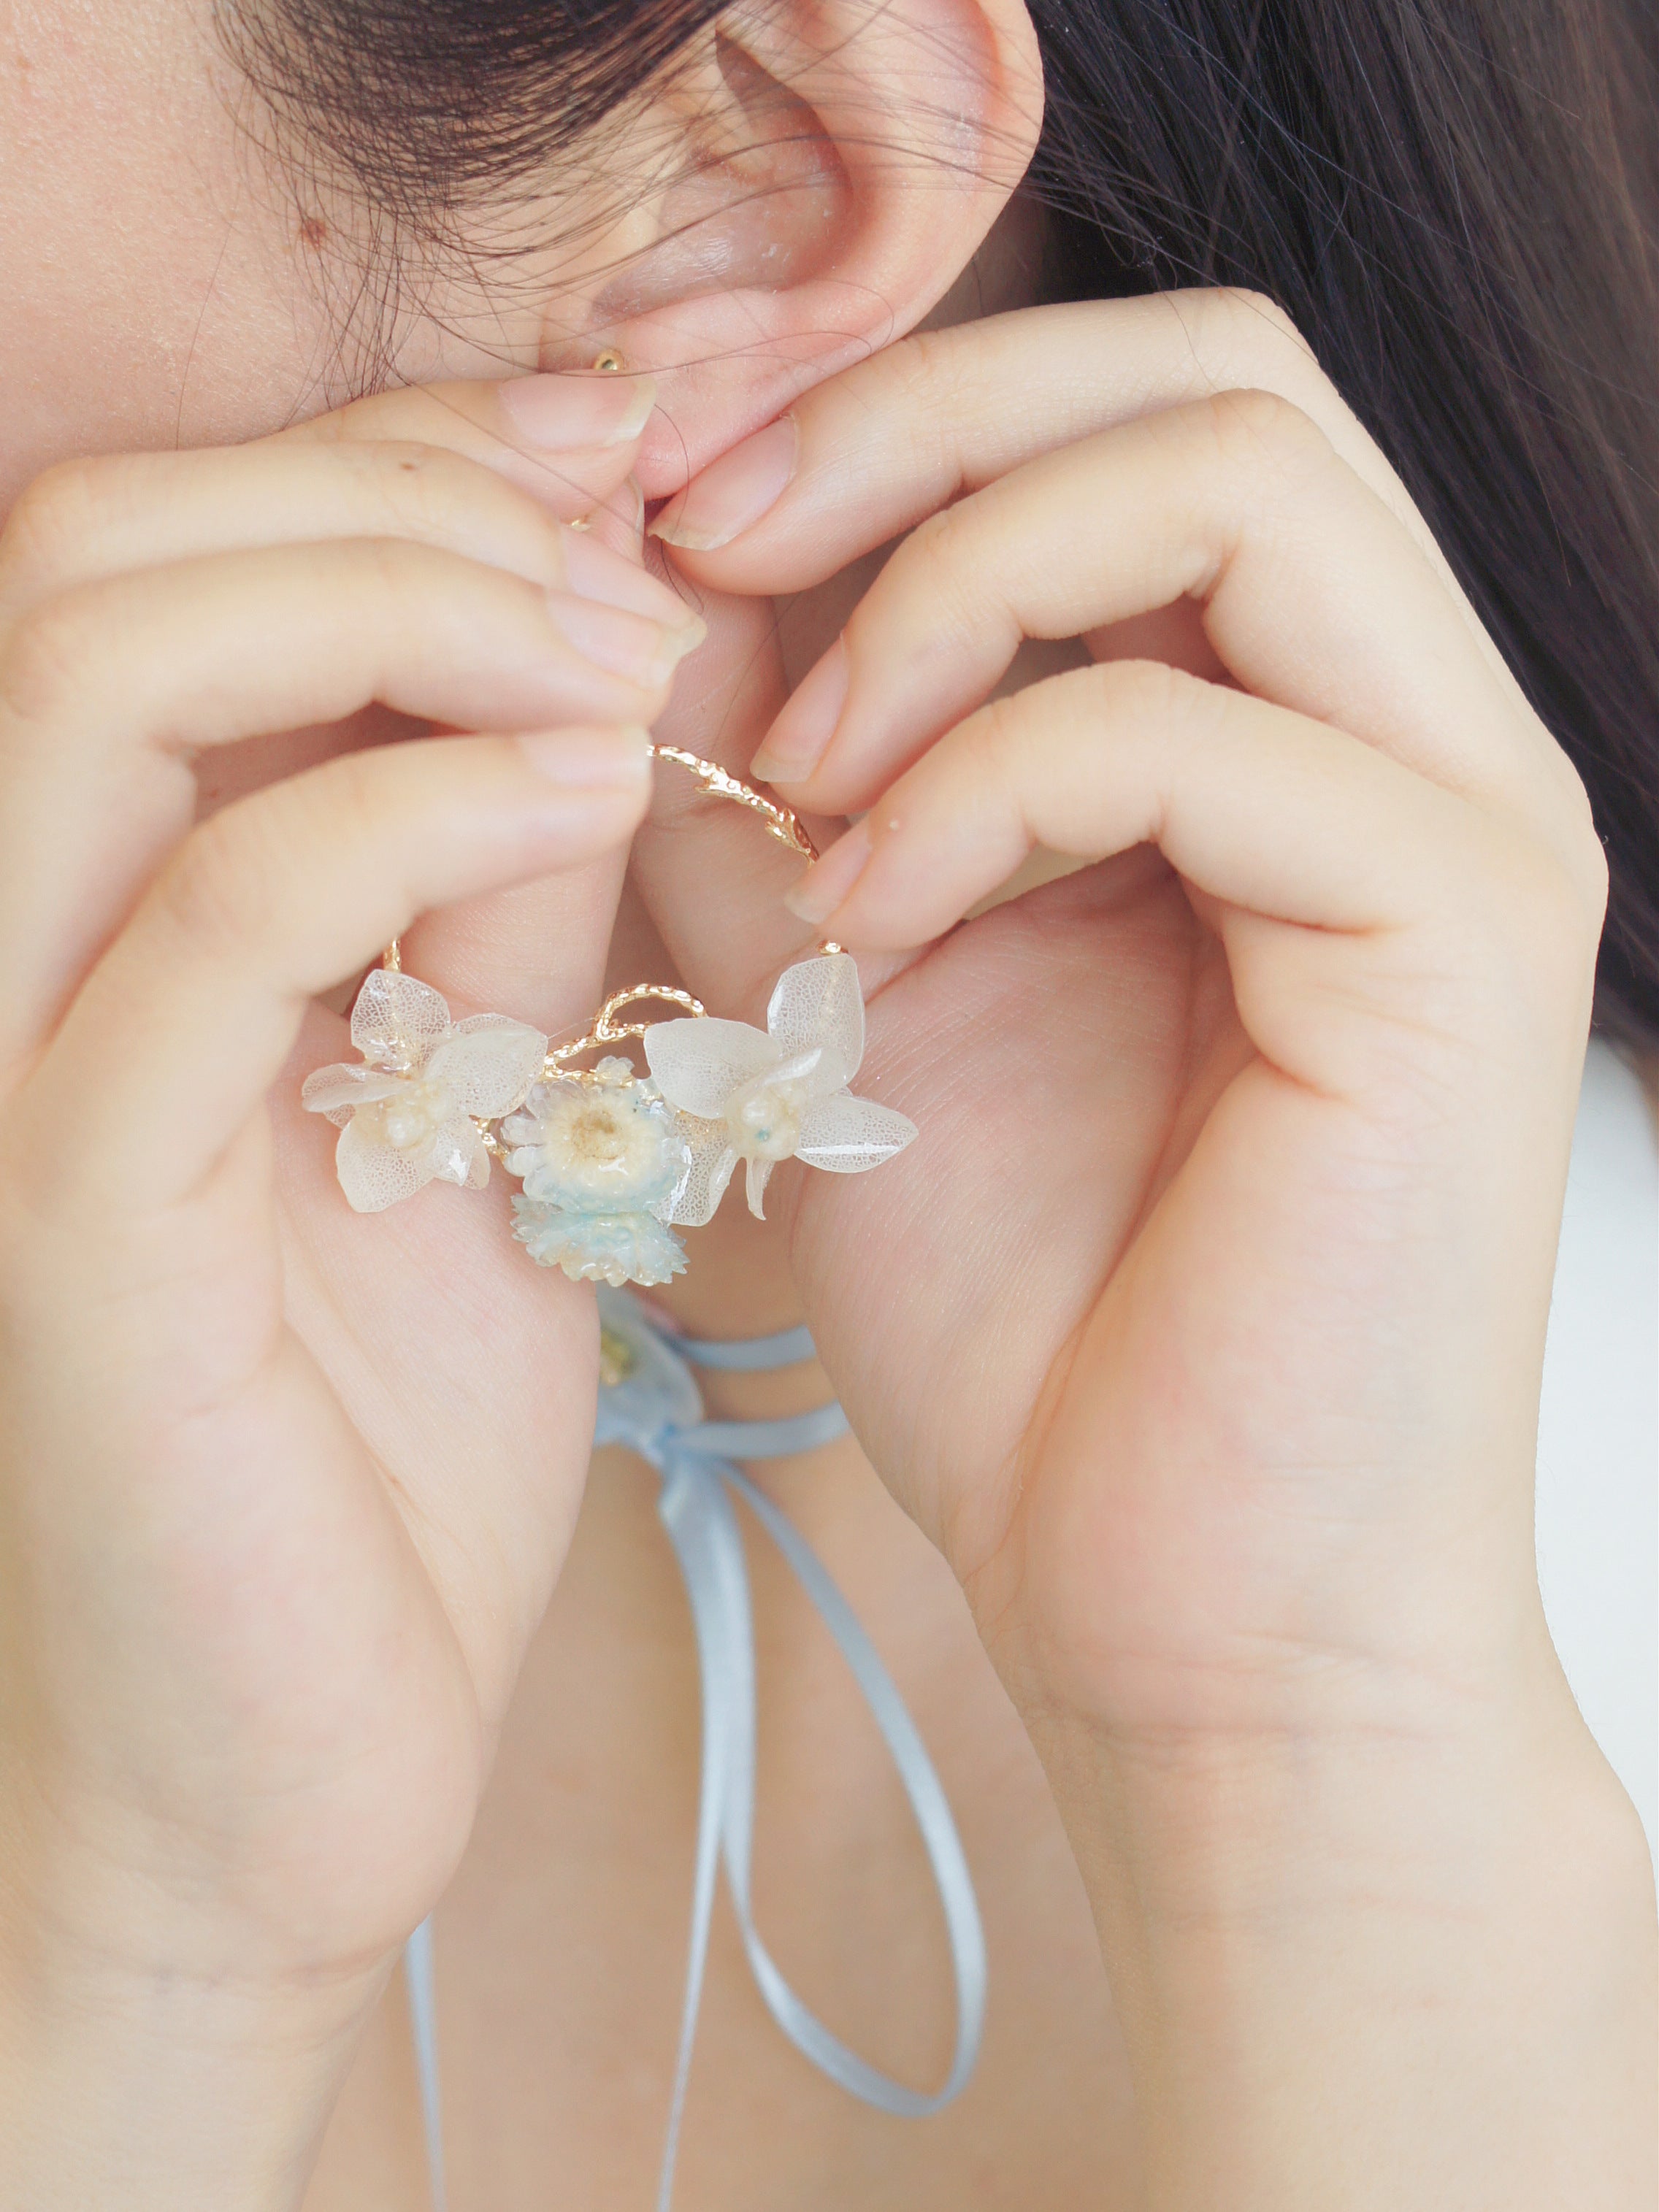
{"x": 1531, "y": 902}
{"x": 46, "y": 655}
{"x": 940, "y": 545}
{"x": 53, "y": 521}
{"x": 925, "y": 368}
{"x": 1255, "y": 318}
{"x": 343, "y": 801}
{"x": 997, "y": 732}
{"x": 1564, "y": 816}
{"x": 1252, "y": 340}
{"x": 1259, "y": 453}
{"x": 1255, "y": 427}
{"x": 410, "y": 489}
{"x": 1153, "y": 691}
{"x": 1584, "y": 867}
{"x": 396, "y": 570}
{"x": 215, "y": 889}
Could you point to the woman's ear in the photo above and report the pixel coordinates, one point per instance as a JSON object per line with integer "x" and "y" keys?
{"x": 819, "y": 172}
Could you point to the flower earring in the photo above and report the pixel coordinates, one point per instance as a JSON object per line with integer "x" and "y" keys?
{"x": 611, "y": 1162}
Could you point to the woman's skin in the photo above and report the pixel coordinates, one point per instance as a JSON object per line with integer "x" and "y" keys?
{"x": 1199, "y": 1336}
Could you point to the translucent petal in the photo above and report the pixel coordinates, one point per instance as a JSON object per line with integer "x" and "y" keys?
{"x": 338, "y": 1091}
{"x": 459, "y": 1155}
{"x": 819, "y": 1002}
{"x": 802, "y": 1065}
{"x": 397, "y": 1020}
{"x": 373, "y": 1175}
{"x": 847, "y": 1134}
{"x": 699, "y": 1062}
{"x": 759, "y": 1176}
{"x": 489, "y": 1062}
{"x": 714, "y": 1156}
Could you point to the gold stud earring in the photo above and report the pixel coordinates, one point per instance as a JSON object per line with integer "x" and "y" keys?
{"x": 610, "y": 362}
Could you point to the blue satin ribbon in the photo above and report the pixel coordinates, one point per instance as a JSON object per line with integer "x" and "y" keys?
{"x": 655, "y": 1409}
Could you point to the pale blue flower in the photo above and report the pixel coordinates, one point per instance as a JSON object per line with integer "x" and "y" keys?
{"x": 598, "y": 1248}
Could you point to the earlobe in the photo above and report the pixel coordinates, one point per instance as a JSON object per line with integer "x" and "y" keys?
{"x": 829, "y": 167}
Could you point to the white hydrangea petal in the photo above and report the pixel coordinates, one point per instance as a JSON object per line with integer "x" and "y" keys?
{"x": 339, "y": 1091}
{"x": 489, "y": 1062}
{"x": 397, "y": 1019}
{"x": 373, "y": 1175}
{"x": 820, "y": 1002}
{"x": 847, "y": 1134}
{"x": 714, "y": 1156}
{"x": 810, "y": 1073}
{"x": 759, "y": 1176}
{"x": 460, "y": 1155}
{"x": 699, "y": 1061}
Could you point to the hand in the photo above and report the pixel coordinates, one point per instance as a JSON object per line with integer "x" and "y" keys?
{"x": 1340, "y": 949}
{"x": 285, "y": 1490}
{"x": 1202, "y": 1326}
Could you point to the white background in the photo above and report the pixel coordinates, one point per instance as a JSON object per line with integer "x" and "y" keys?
{"x": 1598, "y": 1439}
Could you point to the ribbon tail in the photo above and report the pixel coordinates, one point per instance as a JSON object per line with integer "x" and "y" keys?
{"x": 931, "y": 1809}
{"x": 709, "y": 1545}
{"x": 418, "y": 1982}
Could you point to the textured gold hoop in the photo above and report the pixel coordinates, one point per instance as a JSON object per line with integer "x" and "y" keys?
{"x": 607, "y": 1030}
{"x": 610, "y": 361}
{"x": 782, "y": 822}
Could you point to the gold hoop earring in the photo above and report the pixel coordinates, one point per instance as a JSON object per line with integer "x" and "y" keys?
{"x": 611, "y": 1162}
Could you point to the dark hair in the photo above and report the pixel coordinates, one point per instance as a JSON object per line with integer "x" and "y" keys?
{"x": 1454, "y": 200}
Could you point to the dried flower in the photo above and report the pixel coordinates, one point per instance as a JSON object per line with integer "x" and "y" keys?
{"x": 763, "y": 1096}
{"x": 411, "y": 1110}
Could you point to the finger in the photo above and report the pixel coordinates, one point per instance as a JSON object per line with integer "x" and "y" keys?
{"x": 187, "y": 1019}
{"x": 710, "y": 877}
{"x": 105, "y": 690}
{"x": 447, "y": 465}
{"x": 569, "y": 439}
{"x": 86, "y": 520}
{"x": 907, "y": 432}
{"x": 1358, "y": 864}
{"x": 1311, "y": 594}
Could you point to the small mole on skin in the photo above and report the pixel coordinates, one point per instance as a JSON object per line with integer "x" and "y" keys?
{"x": 313, "y": 231}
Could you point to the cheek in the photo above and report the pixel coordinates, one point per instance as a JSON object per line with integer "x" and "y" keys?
{"x": 154, "y": 285}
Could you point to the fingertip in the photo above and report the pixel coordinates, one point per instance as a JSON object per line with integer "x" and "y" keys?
{"x": 804, "y": 729}
{"x": 734, "y": 492}
{"x": 828, "y": 885}
{"x": 565, "y": 412}
{"x": 616, "y": 759}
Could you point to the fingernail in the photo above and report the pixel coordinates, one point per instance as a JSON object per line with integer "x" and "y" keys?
{"x": 826, "y": 884}
{"x": 568, "y": 413}
{"x": 588, "y": 760}
{"x": 627, "y": 644}
{"x": 597, "y": 571}
{"x": 800, "y": 737}
{"x": 732, "y": 492}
